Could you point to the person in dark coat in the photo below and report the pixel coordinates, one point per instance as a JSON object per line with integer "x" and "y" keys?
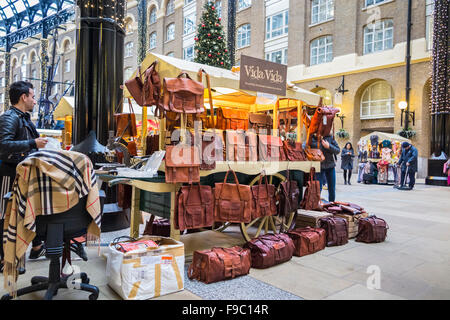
{"x": 347, "y": 156}
{"x": 408, "y": 163}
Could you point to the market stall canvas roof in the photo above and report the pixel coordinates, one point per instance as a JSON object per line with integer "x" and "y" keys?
{"x": 386, "y": 136}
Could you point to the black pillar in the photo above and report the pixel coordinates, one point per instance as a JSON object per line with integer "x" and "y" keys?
{"x": 408, "y": 64}
{"x": 232, "y": 30}
{"x": 99, "y": 67}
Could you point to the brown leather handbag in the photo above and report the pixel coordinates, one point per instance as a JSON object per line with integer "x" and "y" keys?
{"x": 294, "y": 151}
{"x": 372, "y": 230}
{"x": 182, "y": 164}
{"x": 232, "y": 119}
{"x": 270, "y": 148}
{"x": 288, "y": 196}
{"x": 183, "y": 95}
{"x": 308, "y": 240}
{"x": 311, "y": 198}
{"x": 314, "y": 154}
{"x": 241, "y": 146}
{"x": 233, "y": 202}
{"x": 195, "y": 207}
{"x": 260, "y": 122}
{"x": 336, "y": 229}
{"x": 219, "y": 264}
{"x": 126, "y": 123}
{"x": 212, "y": 150}
{"x": 270, "y": 249}
{"x": 145, "y": 93}
{"x": 264, "y": 201}
{"x": 157, "y": 227}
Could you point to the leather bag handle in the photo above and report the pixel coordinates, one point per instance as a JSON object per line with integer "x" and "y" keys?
{"x": 237, "y": 184}
{"x": 208, "y": 83}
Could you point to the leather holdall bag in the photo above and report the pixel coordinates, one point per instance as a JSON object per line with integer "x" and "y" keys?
{"x": 232, "y": 119}
{"x": 311, "y": 198}
{"x": 270, "y": 148}
{"x": 372, "y": 230}
{"x": 308, "y": 240}
{"x": 157, "y": 227}
{"x": 182, "y": 164}
{"x": 241, "y": 146}
{"x": 264, "y": 201}
{"x": 336, "y": 229}
{"x": 183, "y": 95}
{"x": 294, "y": 151}
{"x": 288, "y": 197}
{"x": 233, "y": 201}
{"x": 270, "y": 249}
{"x": 126, "y": 123}
{"x": 260, "y": 122}
{"x": 147, "y": 92}
{"x": 194, "y": 207}
{"x": 219, "y": 264}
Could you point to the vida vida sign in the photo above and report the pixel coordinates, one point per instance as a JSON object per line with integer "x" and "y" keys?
{"x": 263, "y": 76}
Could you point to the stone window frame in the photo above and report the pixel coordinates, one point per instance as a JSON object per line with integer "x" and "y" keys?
{"x": 170, "y": 7}
{"x": 152, "y": 17}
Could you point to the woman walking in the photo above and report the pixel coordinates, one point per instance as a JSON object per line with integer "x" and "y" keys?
{"x": 347, "y": 156}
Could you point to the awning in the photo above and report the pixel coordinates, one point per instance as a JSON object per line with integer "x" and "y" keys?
{"x": 385, "y": 136}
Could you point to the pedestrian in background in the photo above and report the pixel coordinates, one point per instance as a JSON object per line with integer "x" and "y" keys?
{"x": 447, "y": 171}
{"x": 347, "y": 156}
{"x": 408, "y": 163}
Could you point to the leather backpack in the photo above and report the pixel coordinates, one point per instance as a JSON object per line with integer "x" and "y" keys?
{"x": 294, "y": 151}
{"x": 232, "y": 119}
{"x": 260, "y": 122}
{"x": 270, "y": 148}
{"x": 182, "y": 164}
{"x": 264, "y": 202}
{"x": 233, "y": 202}
{"x": 308, "y": 240}
{"x": 336, "y": 229}
{"x": 288, "y": 196}
{"x": 241, "y": 146}
{"x": 311, "y": 198}
{"x": 145, "y": 93}
{"x": 372, "y": 230}
{"x": 219, "y": 264}
{"x": 194, "y": 207}
{"x": 183, "y": 95}
{"x": 270, "y": 249}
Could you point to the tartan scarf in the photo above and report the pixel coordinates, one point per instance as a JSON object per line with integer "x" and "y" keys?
{"x": 47, "y": 182}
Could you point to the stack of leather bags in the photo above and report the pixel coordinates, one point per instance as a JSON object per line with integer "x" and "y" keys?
{"x": 349, "y": 211}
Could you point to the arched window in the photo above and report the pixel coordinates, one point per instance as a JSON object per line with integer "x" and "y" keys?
{"x": 23, "y": 68}
{"x": 33, "y": 57}
{"x": 243, "y": 4}
{"x": 170, "y": 32}
{"x": 322, "y": 50}
{"x": 129, "y": 49}
{"x": 171, "y": 54}
{"x": 153, "y": 40}
{"x": 377, "y": 101}
{"x": 170, "y": 7}
{"x": 153, "y": 15}
{"x": 379, "y": 36}
{"x": 66, "y": 46}
{"x": 128, "y": 25}
{"x": 243, "y": 36}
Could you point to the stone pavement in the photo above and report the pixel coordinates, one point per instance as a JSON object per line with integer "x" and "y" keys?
{"x": 414, "y": 261}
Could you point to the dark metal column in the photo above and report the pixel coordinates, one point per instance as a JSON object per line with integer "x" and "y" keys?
{"x": 408, "y": 63}
{"x": 99, "y": 65}
{"x": 7, "y": 78}
{"x": 142, "y": 30}
{"x": 232, "y": 30}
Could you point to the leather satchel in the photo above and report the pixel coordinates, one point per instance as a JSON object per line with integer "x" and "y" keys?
{"x": 311, "y": 198}
{"x": 126, "y": 123}
{"x": 182, "y": 164}
{"x": 314, "y": 154}
{"x": 294, "y": 151}
{"x": 194, "y": 207}
{"x": 219, "y": 264}
{"x": 261, "y": 123}
{"x": 288, "y": 197}
{"x": 145, "y": 93}
{"x": 232, "y": 119}
{"x": 264, "y": 201}
{"x": 372, "y": 230}
{"x": 183, "y": 95}
{"x": 308, "y": 240}
{"x": 336, "y": 229}
{"x": 212, "y": 150}
{"x": 241, "y": 146}
{"x": 271, "y": 149}
{"x": 157, "y": 227}
{"x": 233, "y": 202}
{"x": 270, "y": 249}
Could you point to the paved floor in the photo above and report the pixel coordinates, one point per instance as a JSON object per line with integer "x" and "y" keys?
{"x": 414, "y": 262}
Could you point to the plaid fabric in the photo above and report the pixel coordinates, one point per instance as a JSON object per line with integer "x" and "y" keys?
{"x": 47, "y": 182}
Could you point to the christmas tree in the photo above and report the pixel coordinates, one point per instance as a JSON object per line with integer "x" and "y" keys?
{"x": 210, "y": 44}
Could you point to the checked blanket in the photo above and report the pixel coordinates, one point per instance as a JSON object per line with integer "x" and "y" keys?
{"x": 47, "y": 182}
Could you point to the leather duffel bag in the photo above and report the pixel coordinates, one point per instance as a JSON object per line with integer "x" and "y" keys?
{"x": 336, "y": 229}
{"x": 311, "y": 198}
{"x": 308, "y": 240}
{"x": 264, "y": 201}
{"x": 233, "y": 202}
{"x": 270, "y": 249}
{"x": 261, "y": 123}
{"x": 372, "y": 230}
{"x": 182, "y": 164}
{"x": 232, "y": 119}
{"x": 288, "y": 197}
{"x": 194, "y": 207}
{"x": 219, "y": 264}
{"x": 157, "y": 227}
{"x": 294, "y": 151}
{"x": 270, "y": 148}
{"x": 183, "y": 95}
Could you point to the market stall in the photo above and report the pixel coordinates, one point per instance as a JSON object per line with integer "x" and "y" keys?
{"x": 378, "y": 153}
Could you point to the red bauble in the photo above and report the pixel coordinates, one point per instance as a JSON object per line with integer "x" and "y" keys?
{"x": 210, "y": 55}
{"x": 203, "y": 25}
{"x": 220, "y": 19}
{"x": 209, "y": 34}
{"x": 221, "y": 63}
{"x": 219, "y": 38}
{"x": 213, "y": 8}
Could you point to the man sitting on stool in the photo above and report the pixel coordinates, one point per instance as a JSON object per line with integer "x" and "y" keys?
{"x": 408, "y": 163}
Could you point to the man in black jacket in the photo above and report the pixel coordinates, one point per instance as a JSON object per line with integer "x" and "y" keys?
{"x": 408, "y": 163}
{"x": 18, "y": 138}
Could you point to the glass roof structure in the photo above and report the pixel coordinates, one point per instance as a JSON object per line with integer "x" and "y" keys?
{"x": 18, "y": 15}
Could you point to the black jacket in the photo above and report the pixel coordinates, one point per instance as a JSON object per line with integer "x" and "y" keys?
{"x": 17, "y": 138}
{"x": 409, "y": 156}
{"x": 329, "y": 154}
